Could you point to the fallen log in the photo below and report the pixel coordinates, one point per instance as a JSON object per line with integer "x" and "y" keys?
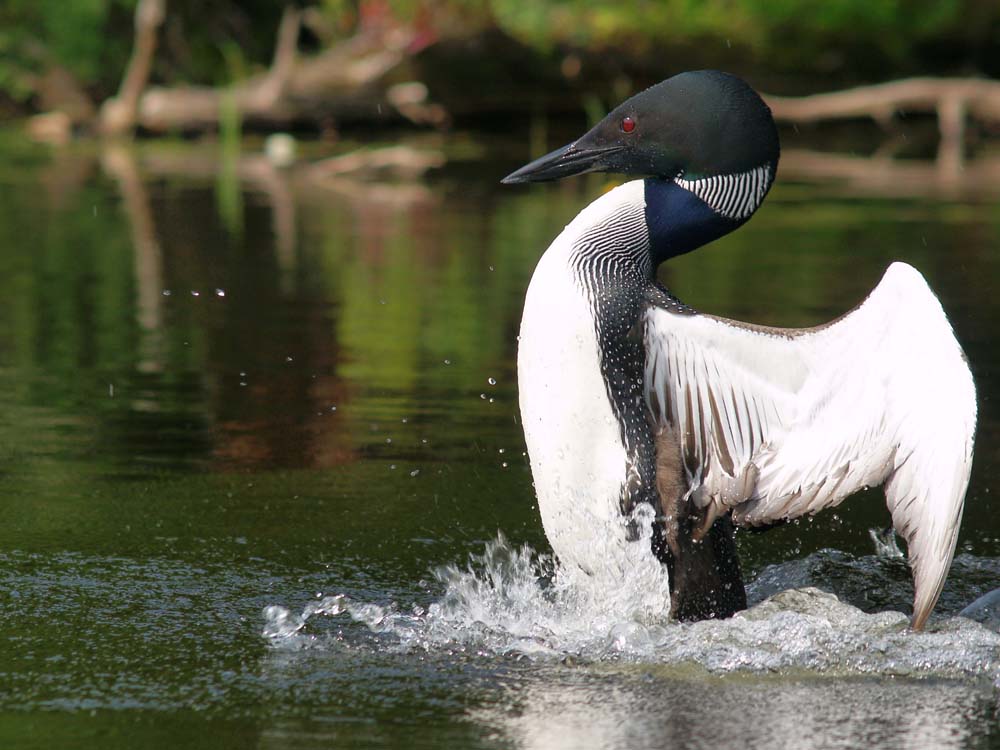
{"x": 953, "y": 99}
{"x": 347, "y": 81}
{"x": 882, "y": 101}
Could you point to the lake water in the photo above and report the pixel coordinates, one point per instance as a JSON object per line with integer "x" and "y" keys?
{"x": 263, "y": 484}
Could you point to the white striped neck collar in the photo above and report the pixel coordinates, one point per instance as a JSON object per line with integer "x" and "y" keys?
{"x": 734, "y": 196}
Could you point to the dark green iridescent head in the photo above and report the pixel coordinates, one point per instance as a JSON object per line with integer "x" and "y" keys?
{"x": 698, "y": 124}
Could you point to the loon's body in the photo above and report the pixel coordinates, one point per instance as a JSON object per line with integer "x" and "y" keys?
{"x": 582, "y": 444}
{"x": 630, "y": 398}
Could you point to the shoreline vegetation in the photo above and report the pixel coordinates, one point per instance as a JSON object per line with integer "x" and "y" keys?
{"x": 373, "y": 65}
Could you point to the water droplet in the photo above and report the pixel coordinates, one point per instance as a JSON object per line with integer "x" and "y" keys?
{"x": 482, "y": 396}
{"x": 392, "y": 466}
{"x": 195, "y": 293}
{"x": 166, "y": 292}
{"x": 220, "y": 292}
{"x": 447, "y": 361}
{"x": 288, "y": 359}
{"x": 500, "y": 450}
{"x": 504, "y": 465}
{"x": 491, "y": 381}
{"x": 414, "y": 472}
{"x": 388, "y": 441}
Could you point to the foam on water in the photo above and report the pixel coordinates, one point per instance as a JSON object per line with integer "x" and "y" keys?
{"x": 513, "y": 601}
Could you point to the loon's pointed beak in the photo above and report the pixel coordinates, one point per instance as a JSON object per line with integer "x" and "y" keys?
{"x": 576, "y": 158}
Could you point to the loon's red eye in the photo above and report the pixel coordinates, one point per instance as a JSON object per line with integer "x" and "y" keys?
{"x": 628, "y": 124}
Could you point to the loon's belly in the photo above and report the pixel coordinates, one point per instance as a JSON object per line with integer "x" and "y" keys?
{"x": 574, "y": 440}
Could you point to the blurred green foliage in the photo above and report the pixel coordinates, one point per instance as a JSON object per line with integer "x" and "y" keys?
{"x": 39, "y": 31}
{"x": 92, "y": 39}
{"x": 852, "y": 39}
{"x": 755, "y": 23}
{"x": 867, "y": 38}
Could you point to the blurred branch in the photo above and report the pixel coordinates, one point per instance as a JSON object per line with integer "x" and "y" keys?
{"x": 950, "y": 98}
{"x": 118, "y": 115}
{"x": 881, "y": 101}
{"x": 285, "y": 52}
{"x": 347, "y": 80}
{"x": 402, "y": 161}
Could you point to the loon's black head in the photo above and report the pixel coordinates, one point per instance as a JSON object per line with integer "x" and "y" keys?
{"x": 704, "y": 131}
{"x": 703, "y": 123}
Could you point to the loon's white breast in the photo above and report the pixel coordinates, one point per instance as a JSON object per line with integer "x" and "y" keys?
{"x": 578, "y": 459}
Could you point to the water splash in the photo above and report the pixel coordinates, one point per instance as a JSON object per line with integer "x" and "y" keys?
{"x": 511, "y": 601}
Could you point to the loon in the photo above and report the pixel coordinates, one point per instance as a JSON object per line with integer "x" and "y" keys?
{"x": 629, "y": 397}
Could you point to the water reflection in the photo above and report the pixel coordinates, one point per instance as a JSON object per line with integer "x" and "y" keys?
{"x": 249, "y": 339}
{"x": 275, "y": 390}
{"x": 119, "y": 162}
{"x": 883, "y": 176}
{"x": 602, "y": 708}
{"x": 339, "y": 306}
{"x": 218, "y": 362}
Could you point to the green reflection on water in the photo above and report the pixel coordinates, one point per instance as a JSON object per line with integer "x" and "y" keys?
{"x": 196, "y": 422}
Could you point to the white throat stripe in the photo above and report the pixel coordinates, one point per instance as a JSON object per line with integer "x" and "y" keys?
{"x": 734, "y": 196}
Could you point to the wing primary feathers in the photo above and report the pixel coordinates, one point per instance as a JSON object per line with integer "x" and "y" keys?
{"x": 778, "y": 423}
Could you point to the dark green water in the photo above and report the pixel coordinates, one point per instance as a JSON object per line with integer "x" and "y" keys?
{"x": 225, "y": 387}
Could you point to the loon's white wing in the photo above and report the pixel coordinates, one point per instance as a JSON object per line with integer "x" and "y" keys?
{"x": 776, "y": 423}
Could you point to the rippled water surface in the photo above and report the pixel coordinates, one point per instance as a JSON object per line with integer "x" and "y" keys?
{"x": 262, "y": 482}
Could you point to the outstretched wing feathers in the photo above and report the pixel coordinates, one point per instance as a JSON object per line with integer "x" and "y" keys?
{"x": 778, "y": 423}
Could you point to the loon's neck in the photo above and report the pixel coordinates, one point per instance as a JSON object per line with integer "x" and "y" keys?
{"x": 613, "y": 265}
{"x": 580, "y": 366}
{"x": 678, "y": 221}
{"x": 637, "y": 226}
{"x": 574, "y": 356}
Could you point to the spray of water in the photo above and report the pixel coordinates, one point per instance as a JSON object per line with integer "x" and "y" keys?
{"x": 512, "y": 601}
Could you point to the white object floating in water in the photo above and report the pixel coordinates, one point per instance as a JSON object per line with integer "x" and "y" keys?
{"x": 281, "y": 149}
